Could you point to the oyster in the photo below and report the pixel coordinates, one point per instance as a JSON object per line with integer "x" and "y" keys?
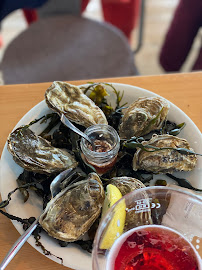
{"x": 167, "y": 160}
{"x": 142, "y": 116}
{"x": 74, "y": 104}
{"x": 36, "y": 154}
{"x": 71, "y": 212}
{"x": 126, "y": 184}
{"x": 133, "y": 216}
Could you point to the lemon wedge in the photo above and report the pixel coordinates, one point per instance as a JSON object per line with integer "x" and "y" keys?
{"x": 116, "y": 225}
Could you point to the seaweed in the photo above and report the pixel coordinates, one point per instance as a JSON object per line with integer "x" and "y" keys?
{"x": 168, "y": 127}
{"x": 136, "y": 142}
{"x": 54, "y": 120}
{"x": 37, "y": 238}
{"x": 98, "y": 95}
{"x": 183, "y": 182}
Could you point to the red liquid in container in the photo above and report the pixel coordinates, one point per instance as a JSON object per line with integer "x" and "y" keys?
{"x": 153, "y": 248}
{"x": 102, "y": 146}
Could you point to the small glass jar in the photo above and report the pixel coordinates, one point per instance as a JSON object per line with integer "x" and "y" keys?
{"x": 107, "y": 143}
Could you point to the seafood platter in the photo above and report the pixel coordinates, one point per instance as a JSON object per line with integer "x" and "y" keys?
{"x": 149, "y": 141}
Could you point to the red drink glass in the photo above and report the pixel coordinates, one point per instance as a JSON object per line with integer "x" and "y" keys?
{"x": 162, "y": 231}
{"x": 153, "y": 247}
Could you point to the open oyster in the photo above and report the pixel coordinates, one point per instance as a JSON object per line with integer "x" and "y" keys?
{"x": 167, "y": 160}
{"x": 74, "y": 104}
{"x": 71, "y": 212}
{"x": 142, "y": 116}
{"x": 36, "y": 154}
{"x": 126, "y": 184}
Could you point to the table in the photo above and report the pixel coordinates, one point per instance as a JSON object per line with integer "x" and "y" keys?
{"x": 184, "y": 90}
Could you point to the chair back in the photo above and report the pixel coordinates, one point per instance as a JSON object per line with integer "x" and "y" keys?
{"x": 67, "y": 47}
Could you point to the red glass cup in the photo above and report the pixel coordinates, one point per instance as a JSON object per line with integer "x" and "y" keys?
{"x": 151, "y": 228}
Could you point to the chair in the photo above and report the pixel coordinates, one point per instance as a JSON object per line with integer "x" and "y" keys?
{"x": 67, "y": 47}
{"x": 76, "y": 7}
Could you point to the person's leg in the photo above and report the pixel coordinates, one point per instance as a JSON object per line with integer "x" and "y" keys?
{"x": 84, "y": 4}
{"x": 198, "y": 63}
{"x": 7, "y": 6}
{"x": 182, "y": 31}
{"x": 30, "y": 15}
{"x": 122, "y": 14}
{"x": 1, "y": 38}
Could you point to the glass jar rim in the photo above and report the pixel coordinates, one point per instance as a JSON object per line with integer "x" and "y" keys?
{"x": 99, "y": 127}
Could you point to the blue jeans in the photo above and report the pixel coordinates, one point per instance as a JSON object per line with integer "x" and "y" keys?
{"x": 7, "y": 6}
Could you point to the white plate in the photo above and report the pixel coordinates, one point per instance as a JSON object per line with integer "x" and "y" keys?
{"x": 72, "y": 255}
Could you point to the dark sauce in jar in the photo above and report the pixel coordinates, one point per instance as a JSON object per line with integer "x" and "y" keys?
{"x": 107, "y": 145}
{"x": 100, "y": 146}
{"x": 103, "y": 168}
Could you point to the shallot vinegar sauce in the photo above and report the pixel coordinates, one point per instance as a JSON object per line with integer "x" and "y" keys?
{"x": 153, "y": 248}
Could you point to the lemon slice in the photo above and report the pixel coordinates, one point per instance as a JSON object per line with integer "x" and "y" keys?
{"x": 116, "y": 225}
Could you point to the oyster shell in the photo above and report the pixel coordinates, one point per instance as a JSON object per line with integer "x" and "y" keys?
{"x": 133, "y": 217}
{"x": 126, "y": 184}
{"x": 71, "y": 212}
{"x": 142, "y": 116}
{"x": 36, "y": 154}
{"x": 74, "y": 104}
{"x": 167, "y": 160}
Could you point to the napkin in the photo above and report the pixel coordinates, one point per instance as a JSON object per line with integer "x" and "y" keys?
{"x": 183, "y": 215}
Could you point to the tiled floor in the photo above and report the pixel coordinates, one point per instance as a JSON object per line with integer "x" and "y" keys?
{"x": 158, "y": 15}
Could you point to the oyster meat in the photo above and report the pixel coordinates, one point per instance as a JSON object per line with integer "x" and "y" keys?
{"x": 126, "y": 184}
{"x": 167, "y": 160}
{"x": 72, "y": 212}
{"x": 74, "y": 104}
{"x": 142, "y": 116}
{"x": 33, "y": 153}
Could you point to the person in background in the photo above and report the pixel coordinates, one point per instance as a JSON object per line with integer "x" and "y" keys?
{"x": 8, "y": 6}
{"x": 179, "y": 39}
{"x": 1, "y": 39}
{"x": 121, "y": 13}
